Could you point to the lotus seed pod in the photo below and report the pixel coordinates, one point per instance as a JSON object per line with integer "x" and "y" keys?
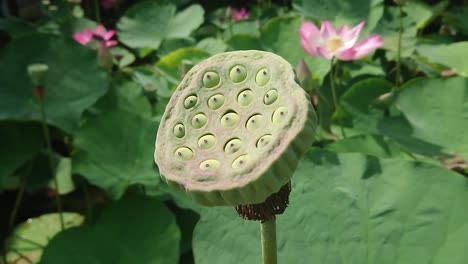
{"x": 38, "y": 73}
{"x": 244, "y": 146}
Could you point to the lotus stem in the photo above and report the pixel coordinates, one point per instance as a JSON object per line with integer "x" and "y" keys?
{"x": 45, "y": 130}
{"x": 268, "y": 232}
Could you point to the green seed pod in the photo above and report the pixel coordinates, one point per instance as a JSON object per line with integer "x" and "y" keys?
{"x": 229, "y": 119}
{"x": 279, "y": 115}
{"x": 263, "y": 141}
{"x": 254, "y": 122}
{"x": 190, "y": 101}
{"x": 38, "y": 73}
{"x": 270, "y": 97}
{"x": 216, "y": 101}
{"x": 210, "y": 79}
{"x": 245, "y": 97}
{"x": 179, "y": 130}
{"x": 207, "y": 141}
{"x": 235, "y": 150}
{"x": 238, "y": 73}
{"x": 263, "y": 76}
{"x": 233, "y": 145}
{"x": 199, "y": 120}
{"x": 184, "y": 153}
{"x": 210, "y": 164}
{"x": 241, "y": 161}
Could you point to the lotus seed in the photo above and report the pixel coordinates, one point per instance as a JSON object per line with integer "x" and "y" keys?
{"x": 279, "y": 115}
{"x": 229, "y": 119}
{"x": 210, "y": 164}
{"x": 190, "y": 101}
{"x": 207, "y": 141}
{"x": 184, "y": 153}
{"x": 263, "y": 76}
{"x": 240, "y": 161}
{"x": 263, "y": 141}
{"x": 179, "y": 130}
{"x": 216, "y": 101}
{"x": 245, "y": 97}
{"x": 270, "y": 96}
{"x": 210, "y": 79}
{"x": 233, "y": 145}
{"x": 199, "y": 120}
{"x": 238, "y": 73}
{"x": 254, "y": 122}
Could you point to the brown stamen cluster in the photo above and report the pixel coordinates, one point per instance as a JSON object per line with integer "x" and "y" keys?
{"x": 266, "y": 211}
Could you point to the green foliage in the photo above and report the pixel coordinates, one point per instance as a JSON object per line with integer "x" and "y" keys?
{"x": 342, "y": 12}
{"x": 136, "y": 28}
{"x": 30, "y": 238}
{"x": 351, "y": 208}
{"x": 114, "y": 151}
{"x": 137, "y": 230}
{"x": 75, "y": 80}
{"x": 384, "y": 182}
{"x": 436, "y": 110}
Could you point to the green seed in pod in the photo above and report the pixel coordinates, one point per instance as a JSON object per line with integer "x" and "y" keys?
{"x": 184, "y": 153}
{"x": 190, "y": 101}
{"x": 254, "y": 122}
{"x": 279, "y": 115}
{"x": 263, "y": 76}
{"x": 216, "y": 101}
{"x": 233, "y": 145}
{"x": 210, "y": 164}
{"x": 245, "y": 97}
{"x": 210, "y": 79}
{"x": 270, "y": 97}
{"x": 207, "y": 141}
{"x": 263, "y": 141}
{"x": 229, "y": 119}
{"x": 199, "y": 120}
{"x": 179, "y": 130}
{"x": 238, "y": 73}
{"x": 240, "y": 161}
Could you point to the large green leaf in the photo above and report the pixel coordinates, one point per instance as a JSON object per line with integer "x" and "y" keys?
{"x": 179, "y": 62}
{"x": 352, "y": 208}
{"x": 389, "y": 28}
{"x": 147, "y": 24}
{"x": 357, "y": 101}
{"x": 448, "y": 55}
{"x": 341, "y": 12}
{"x": 30, "y": 238}
{"x": 437, "y": 111}
{"x": 280, "y": 35}
{"x": 116, "y": 150}
{"x": 74, "y": 83}
{"x": 135, "y": 230}
{"x": 375, "y": 145}
{"x": 20, "y": 142}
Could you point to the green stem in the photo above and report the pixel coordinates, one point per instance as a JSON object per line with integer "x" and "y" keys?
{"x": 89, "y": 211}
{"x": 45, "y": 130}
{"x": 398, "y": 58}
{"x": 333, "y": 76}
{"x": 19, "y": 198}
{"x": 268, "y": 230}
{"x": 97, "y": 11}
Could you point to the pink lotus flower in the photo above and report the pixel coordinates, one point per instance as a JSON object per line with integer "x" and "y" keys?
{"x": 341, "y": 43}
{"x": 238, "y": 15}
{"x": 99, "y": 34}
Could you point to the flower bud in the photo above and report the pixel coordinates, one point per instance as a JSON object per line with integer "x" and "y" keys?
{"x": 38, "y": 74}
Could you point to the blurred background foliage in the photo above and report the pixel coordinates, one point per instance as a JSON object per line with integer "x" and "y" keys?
{"x": 385, "y": 181}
